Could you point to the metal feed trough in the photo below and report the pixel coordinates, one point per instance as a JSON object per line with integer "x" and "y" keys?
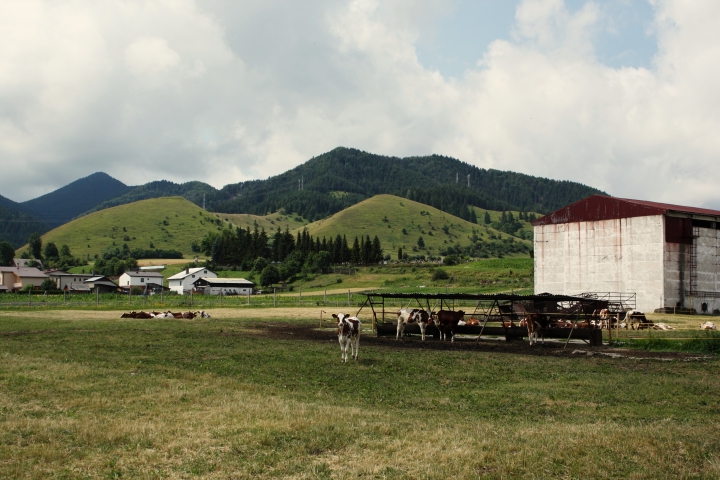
{"x": 498, "y": 314}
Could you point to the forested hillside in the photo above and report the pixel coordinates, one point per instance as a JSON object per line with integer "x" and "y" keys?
{"x": 59, "y": 207}
{"x": 16, "y": 224}
{"x": 343, "y": 177}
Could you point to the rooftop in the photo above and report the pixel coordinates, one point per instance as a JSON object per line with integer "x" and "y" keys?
{"x": 189, "y": 271}
{"x": 601, "y": 207}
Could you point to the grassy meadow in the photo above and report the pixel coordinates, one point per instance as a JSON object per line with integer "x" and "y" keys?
{"x": 244, "y": 395}
{"x": 168, "y": 223}
{"x": 269, "y": 222}
{"x": 386, "y": 216}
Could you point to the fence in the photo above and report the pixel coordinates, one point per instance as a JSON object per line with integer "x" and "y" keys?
{"x": 113, "y": 301}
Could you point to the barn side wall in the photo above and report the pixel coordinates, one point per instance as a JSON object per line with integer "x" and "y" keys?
{"x": 678, "y": 272}
{"x": 619, "y": 255}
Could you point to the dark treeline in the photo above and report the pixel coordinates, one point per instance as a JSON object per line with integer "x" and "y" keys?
{"x": 243, "y": 247}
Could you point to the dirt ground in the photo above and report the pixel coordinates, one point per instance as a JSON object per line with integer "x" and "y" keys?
{"x": 575, "y": 349}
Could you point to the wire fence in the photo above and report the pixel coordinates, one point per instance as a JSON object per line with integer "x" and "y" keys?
{"x": 164, "y": 302}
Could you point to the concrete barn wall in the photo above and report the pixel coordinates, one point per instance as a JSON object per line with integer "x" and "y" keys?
{"x": 677, "y": 271}
{"x": 618, "y": 255}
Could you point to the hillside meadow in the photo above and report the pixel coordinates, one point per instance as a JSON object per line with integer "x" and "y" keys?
{"x": 399, "y": 223}
{"x": 262, "y": 394}
{"x": 168, "y": 223}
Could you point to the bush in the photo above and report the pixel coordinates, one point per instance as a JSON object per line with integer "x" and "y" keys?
{"x": 440, "y": 274}
{"x": 451, "y": 260}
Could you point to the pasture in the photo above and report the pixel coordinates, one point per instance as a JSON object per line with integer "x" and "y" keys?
{"x": 261, "y": 393}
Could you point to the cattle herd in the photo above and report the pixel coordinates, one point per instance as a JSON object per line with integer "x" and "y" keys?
{"x": 168, "y": 314}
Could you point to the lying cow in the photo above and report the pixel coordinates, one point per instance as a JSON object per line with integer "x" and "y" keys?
{"x": 635, "y": 317}
{"x": 446, "y": 321}
{"x": 412, "y": 317}
{"x": 348, "y": 335}
{"x": 708, "y": 326}
{"x": 662, "y": 326}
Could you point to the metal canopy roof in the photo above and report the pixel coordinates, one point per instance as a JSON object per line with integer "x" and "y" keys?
{"x": 481, "y": 297}
{"x": 601, "y": 207}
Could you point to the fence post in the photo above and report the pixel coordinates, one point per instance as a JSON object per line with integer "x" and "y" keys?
{"x": 221, "y": 297}
{"x": 161, "y": 297}
{"x": 325, "y": 298}
{"x": 28, "y": 298}
{"x": 300, "y": 298}
{"x": 348, "y": 298}
{"x": 274, "y": 297}
{"x": 64, "y": 292}
{"x": 249, "y": 293}
{"x": 97, "y": 297}
{"x": 191, "y": 297}
{"x": 130, "y": 296}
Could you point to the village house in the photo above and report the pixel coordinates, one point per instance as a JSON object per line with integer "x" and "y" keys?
{"x": 101, "y": 285}
{"x": 69, "y": 281}
{"x": 140, "y": 279}
{"x": 183, "y": 282}
{"x": 14, "y": 279}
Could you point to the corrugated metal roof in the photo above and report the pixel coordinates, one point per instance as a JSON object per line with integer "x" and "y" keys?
{"x": 600, "y": 207}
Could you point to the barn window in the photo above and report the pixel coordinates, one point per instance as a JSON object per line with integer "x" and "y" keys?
{"x": 193, "y": 276}
{"x": 702, "y": 223}
{"x": 142, "y": 280}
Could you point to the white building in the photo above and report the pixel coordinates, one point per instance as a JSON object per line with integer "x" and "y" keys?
{"x": 225, "y": 286}
{"x": 183, "y": 282}
{"x": 140, "y": 279}
{"x": 666, "y": 254}
{"x": 65, "y": 280}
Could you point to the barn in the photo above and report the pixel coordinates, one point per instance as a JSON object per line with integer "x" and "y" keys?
{"x": 666, "y": 254}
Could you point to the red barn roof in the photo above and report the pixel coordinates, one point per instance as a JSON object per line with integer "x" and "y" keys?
{"x": 600, "y": 207}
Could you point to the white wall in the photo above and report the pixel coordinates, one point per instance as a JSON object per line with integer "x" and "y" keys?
{"x": 677, "y": 266}
{"x": 622, "y": 255}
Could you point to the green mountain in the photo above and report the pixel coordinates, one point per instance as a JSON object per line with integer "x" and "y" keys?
{"x": 16, "y": 224}
{"x": 343, "y": 177}
{"x": 66, "y": 203}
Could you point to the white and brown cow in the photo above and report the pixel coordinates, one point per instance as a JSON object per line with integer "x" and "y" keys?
{"x": 708, "y": 326}
{"x": 348, "y": 335}
{"x": 533, "y": 327}
{"x": 446, "y": 321}
{"x": 412, "y": 317}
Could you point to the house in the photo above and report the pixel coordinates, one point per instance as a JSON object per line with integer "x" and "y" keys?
{"x": 14, "y": 279}
{"x": 63, "y": 280}
{"x": 140, "y": 279}
{"x": 23, "y": 262}
{"x": 103, "y": 284}
{"x": 224, "y": 286}
{"x": 183, "y": 282}
{"x": 665, "y": 254}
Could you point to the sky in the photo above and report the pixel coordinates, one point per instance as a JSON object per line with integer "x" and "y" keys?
{"x": 621, "y": 95}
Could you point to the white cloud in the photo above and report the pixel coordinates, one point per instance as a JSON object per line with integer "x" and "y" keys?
{"x": 227, "y": 91}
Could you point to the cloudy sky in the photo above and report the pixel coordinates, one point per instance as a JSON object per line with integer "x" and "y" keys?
{"x": 623, "y": 95}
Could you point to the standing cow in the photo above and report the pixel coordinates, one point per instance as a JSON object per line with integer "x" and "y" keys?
{"x": 348, "y": 335}
{"x": 412, "y": 317}
{"x": 446, "y": 321}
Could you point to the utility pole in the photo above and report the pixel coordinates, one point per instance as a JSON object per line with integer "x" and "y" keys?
{"x": 468, "y": 180}
{"x": 457, "y": 177}
{"x": 203, "y": 201}
{"x": 302, "y": 182}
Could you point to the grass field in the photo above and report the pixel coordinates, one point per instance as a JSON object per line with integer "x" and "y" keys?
{"x": 244, "y": 395}
{"x": 386, "y": 216}
{"x": 169, "y": 223}
{"x": 269, "y": 222}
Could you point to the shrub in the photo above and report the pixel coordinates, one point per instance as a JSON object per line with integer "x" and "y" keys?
{"x": 440, "y": 274}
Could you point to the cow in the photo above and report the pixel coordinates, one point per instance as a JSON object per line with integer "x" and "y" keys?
{"x": 534, "y": 328}
{"x": 662, "y": 326}
{"x": 412, "y": 317}
{"x": 708, "y": 326}
{"x": 188, "y": 315}
{"x": 202, "y": 314}
{"x": 473, "y": 322}
{"x": 446, "y": 321}
{"x": 348, "y": 335}
{"x": 633, "y": 317}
